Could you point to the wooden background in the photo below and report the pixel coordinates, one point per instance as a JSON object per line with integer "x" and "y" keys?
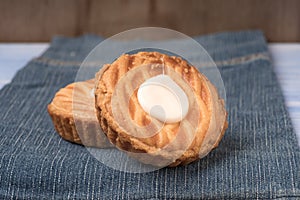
{"x": 40, "y": 20}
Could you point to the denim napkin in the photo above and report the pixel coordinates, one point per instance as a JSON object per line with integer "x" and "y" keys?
{"x": 257, "y": 158}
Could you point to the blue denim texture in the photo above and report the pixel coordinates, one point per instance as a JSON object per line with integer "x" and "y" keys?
{"x": 258, "y": 158}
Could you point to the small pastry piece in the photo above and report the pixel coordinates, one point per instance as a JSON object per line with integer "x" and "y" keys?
{"x": 73, "y": 114}
{"x": 171, "y": 144}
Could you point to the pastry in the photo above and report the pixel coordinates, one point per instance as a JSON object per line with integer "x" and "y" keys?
{"x": 72, "y": 112}
{"x": 128, "y": 126}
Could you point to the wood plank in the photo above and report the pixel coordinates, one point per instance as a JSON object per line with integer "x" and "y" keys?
{"x": 40, "y": 20}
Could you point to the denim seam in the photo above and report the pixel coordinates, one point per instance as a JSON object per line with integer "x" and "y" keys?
{"x": 229, "y": 62}
{"x": 244, "y": 59}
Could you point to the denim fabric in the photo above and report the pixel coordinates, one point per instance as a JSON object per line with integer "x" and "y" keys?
{"x": 257, "y": 158}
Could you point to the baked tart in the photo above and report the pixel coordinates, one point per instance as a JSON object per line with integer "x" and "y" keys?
{"x": 150, "y": 140}
{"x": 72, "y": 111}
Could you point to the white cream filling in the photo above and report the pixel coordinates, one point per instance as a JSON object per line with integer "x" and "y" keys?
{"x": 163, "y": 99}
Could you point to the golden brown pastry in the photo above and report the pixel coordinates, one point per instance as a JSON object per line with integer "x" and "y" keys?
{"x": 73, "y": 114}
{"x": 172, "y": 144}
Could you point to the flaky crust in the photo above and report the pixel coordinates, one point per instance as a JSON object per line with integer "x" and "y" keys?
{"x": 73, "y": 115}
{"x": 151, "y": 150}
